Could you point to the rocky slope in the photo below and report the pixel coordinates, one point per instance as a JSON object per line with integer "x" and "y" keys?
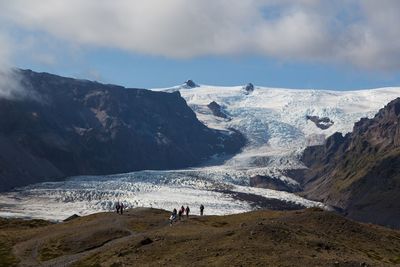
{"x": 73, "y": 127}
{"x": 360, "y": 172}
{"x": 143, "y": 237}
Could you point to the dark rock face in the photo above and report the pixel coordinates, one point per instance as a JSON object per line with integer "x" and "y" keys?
{"x": 257, "y": 201}
{"x": 360, "y": 172}
{"x": 271, "y": 183}
{"x": 72, "y": 217}
{"x": 217, "y": 110}
{"x": 322, "y": 123}
{"x": 248, "y": 88}
{"x": 79, "y": 127}
{"x": 190, "y": 84}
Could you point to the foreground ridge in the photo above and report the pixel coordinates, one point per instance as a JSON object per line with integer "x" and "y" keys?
{"x": 143, "y": 237}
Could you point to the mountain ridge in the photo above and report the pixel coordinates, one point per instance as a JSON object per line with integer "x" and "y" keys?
{"x": 360, "y": 172}
{"x": 76, "y": 127}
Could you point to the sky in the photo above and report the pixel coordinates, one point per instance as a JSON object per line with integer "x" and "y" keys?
{"x": 342, "y": 44}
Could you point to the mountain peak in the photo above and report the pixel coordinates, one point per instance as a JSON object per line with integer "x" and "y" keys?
{"x": 190, "y": 84}
{"x": 248, "y": 88}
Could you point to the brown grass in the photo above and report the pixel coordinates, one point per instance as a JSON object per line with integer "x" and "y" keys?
{"x": 143, "y": 237}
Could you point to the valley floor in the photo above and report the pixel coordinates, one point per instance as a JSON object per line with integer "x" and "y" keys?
{"x": 143, "y": 237}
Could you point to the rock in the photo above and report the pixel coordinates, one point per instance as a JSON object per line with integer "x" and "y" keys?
{"x": 190, "y": 84}
{"x": 216, "y": 109}
{"x": 248, "y": 88}
{"x": 322, "y": 123}
{"x": 146, "y": 241}
{"x": 72, "y": 217}
{"x": 271, "y": 183}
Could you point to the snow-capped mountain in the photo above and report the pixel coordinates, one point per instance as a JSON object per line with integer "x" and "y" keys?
{"x": 278, "y": 125}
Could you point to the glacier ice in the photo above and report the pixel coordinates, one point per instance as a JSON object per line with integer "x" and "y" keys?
{"x": 273, "y": 120}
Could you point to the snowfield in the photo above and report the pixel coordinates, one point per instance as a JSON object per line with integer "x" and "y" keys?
{"x": 274, "y": 122}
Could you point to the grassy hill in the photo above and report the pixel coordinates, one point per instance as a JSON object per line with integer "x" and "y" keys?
{"x": 143, "y": 237}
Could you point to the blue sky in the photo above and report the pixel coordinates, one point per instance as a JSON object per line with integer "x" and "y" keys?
{"x": 130, "y": 70}
{"x": 295, "y": 44}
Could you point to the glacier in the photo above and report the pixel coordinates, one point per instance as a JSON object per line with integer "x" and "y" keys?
{"x": 274, "y": 121}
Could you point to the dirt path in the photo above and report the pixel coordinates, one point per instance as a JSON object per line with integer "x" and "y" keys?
{"x": 67, "y": 260}
{"x": 28, "y": 251}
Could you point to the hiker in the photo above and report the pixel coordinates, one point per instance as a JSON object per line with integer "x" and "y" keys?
{"x": 201, "y": 209}
{"x": 180, "y": 214}
{"x": 187, "y": 211}
{"x": 122, "y": 208}
{"x": 117, "y": 206}
{"x": 172, "y": 218}
{"x": 183, "y": 210}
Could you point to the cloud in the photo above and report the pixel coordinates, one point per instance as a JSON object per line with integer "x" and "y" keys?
{"x": 363, "y": 33}
{"x": 9, "y": 88}
{"x": 376, "y": 37}
{"x": 11, "y": 84}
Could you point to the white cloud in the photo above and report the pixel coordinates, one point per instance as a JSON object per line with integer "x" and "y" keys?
{"x": 8, "y": 86}
{"x": 359, "y": 32}
{"x": 11, "y": 85}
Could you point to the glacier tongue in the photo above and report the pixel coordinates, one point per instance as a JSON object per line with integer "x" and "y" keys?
{"x": 275, "y": 124}
{"x": 159, "y": 189}
{"x": 275, "y": 120}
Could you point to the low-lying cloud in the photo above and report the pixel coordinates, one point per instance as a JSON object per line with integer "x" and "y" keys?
{"x": 363, "y": 33}
{"x": 9, "y": 86}
{"x": 11, "y": 82}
